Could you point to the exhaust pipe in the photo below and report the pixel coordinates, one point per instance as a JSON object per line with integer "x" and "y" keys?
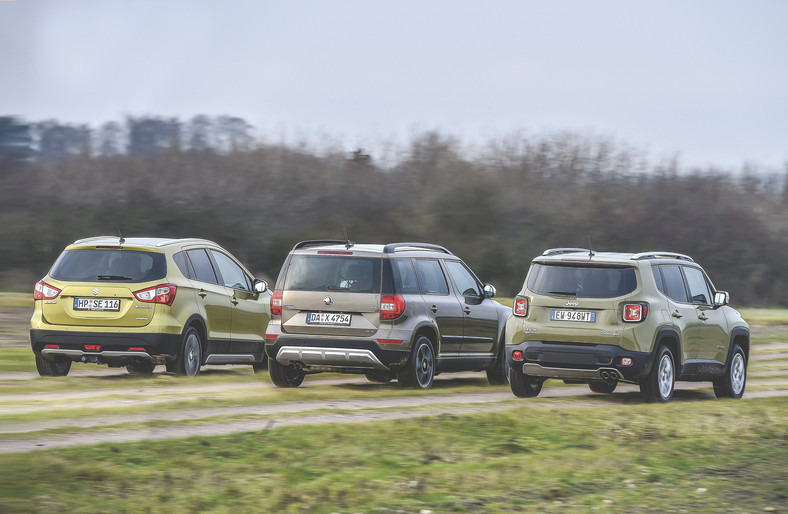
{"x": 605, "y": 375}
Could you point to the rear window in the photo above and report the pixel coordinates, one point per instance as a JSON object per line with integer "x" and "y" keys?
{"x": 105, "y": 265}
{"x": 333, "y": 273}
{"x": 581, "y": 281}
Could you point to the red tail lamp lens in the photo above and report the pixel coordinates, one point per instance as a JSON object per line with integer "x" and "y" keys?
{"x": 163, "y": 293}
{"x": 517, "y": 355}
{"x": 635, "y": 312}
{"x": 391, "y": 306}
{"x": 520, "y": 307}
{"x": 92, "y": 347}
{"x": 276, "y": 303}
{"x": 44, "y": 291}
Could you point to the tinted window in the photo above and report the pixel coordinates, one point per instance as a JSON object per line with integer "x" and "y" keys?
{"x": 203, "y": 269}
{"x": 674, "y": 283}
{"x": 332, "y": 273}
{"x": 431, "y": 278}
{"x": 232, "y": 274}
{"x": 581, "y": 281}
{"x": 698, "y": 289}
{"x": 407, "y": 282}
{"x": 658, "y": 279}
{"x": 183, "y": 264}
{"x": 463, "y": 279}
{"x": 109, "y": 266}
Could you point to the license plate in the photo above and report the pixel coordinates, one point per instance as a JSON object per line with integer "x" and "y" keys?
{"x": 96, "y": 304}
{"x": 567, "y": 315}
{"x": 327, "y": 318}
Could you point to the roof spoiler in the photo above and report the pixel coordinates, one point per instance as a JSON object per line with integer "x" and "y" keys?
{"x": 559, "y": 251}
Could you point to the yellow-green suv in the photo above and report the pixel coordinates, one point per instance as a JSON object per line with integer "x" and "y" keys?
{"x": 603, "y": 318}
{"x": 140, "y": 302}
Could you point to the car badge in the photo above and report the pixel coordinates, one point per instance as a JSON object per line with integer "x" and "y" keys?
{"x": 328, "y": 300}
{"x": 571, "y": 303}
{"x": 95, "y": 291}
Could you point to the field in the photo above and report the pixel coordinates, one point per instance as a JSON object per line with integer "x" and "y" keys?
{"x": 341, "y": 444}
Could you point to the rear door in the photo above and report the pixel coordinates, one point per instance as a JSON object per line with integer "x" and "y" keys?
{"x": 213, "y": 298}
{"x": 444, "y": 306}
{"x": 683, "y": 314}
{"x": 332, "y": 293}
{"x": 713, "y": 339}
{"x": 480, "y": 321}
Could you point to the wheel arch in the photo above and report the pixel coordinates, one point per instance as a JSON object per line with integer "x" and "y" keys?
{"x": 739, "y": 336}
{"x": 668, "y": 337}
{"x": 198, "y": 323}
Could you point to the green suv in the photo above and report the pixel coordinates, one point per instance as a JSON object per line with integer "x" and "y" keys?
{"x": 403, "y": 310}
{"x": 603, "y": 318}
{"x": 141, "y": 302}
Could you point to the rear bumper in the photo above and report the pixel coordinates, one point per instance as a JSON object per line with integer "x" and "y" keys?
{"x": 582, "y": 362}
{"x": 335, "y": 354}
{"x": 114, "y": 348}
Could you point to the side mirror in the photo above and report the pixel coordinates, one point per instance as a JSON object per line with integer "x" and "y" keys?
{"x": 489, "y": 291}
{"x": 260, "y": 286}
{"x": 721, "y": 298}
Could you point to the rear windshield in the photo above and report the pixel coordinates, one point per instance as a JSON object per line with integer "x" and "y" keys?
{"x": 104, "y": 265}
{"x": 333, "y": 273}
{"x": 581, "y": 281}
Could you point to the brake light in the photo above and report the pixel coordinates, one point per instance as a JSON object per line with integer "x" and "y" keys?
{"x": 520, "y": 307}
{"x": 163, "y": 293}
{"x": 92, "y": 347}
{"x": 635, "y": 312}
{"x": 391, "y": 306}
{"x": 44, "y": 291}
{"x": 276, "y": 303}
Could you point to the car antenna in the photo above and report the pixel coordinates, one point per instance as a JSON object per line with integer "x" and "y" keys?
{"x": 120, "y": 236}
{"x": 590, "y": 251}
{"x": 348, "y": 242}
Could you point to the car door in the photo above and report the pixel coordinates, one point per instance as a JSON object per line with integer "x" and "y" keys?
{"x": 714, "y": 340}
{"x": 249, "y": 314}
{"x": 213, "y": 298}
{"x": 443, "y": 305}
{"x": 480, "y": 314}
{"x": 683, "y": 314}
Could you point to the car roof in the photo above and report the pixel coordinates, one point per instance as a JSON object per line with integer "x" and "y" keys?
{"x": 556, "y": 255}
{"x": 141, "y": 242}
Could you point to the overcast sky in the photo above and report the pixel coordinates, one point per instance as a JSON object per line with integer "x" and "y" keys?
{"x": 703, "y": 79}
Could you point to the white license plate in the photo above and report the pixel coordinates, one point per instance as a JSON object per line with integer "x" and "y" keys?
{"x": 567, "y": 315}
{"x": 327, "y": 318}
{"x": 96, "y": 304}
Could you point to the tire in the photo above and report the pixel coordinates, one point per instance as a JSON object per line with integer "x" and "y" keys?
{"x": 419, "y": 372}
{"x": 661, "y": 380}
{"x": 525, "y": 386}
{"x": 731, "y": 385}
{"x": 499, "y": 374}
{"x": 59, "y": 367}
{"x": 261, "y": 366}
{"x": 379, "y": 377}
{"x": 284, "y": 376}
{"x": 190, "y": 354}
{"x": 603, "y": 387}
{"x": 140, "y": 368}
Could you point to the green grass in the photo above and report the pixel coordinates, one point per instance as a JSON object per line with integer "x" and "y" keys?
{"x": 706, "y": 456}
{"x": 14, "y": 300}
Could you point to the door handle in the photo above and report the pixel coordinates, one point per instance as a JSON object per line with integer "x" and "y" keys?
{"x": 234, "y": 300}
{"x": 467, "y": 310}
{"x": 434, "y": 308}
{"x": 202, "y": 293}
{"x": 702, "y": 317}
{"x": 677, "y": 314}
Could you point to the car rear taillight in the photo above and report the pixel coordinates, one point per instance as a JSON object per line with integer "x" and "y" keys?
{"x": 163, "y": 293}
{"x": 276, "y": 303}
{"x": 391, "y": 306}
{"x": 520, "y": 307}
{"x": 44, "y": 291}
{"x": 635, "y": 312}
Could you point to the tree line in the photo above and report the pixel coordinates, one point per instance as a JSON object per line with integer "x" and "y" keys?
{"x": 496, "y": 205}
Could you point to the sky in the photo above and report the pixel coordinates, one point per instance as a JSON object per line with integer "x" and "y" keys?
{"x": 705, "y": 81}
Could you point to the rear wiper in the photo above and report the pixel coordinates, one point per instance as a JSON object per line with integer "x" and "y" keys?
{"x": 112, "y": 277}
{"x": 335, "y": 288}
{"x": 563, "y": 293}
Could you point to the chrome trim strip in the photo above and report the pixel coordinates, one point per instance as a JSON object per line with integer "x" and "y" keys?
{"x": 338, "y": 357}
{"x": 79, "y": 353}
{"x": 530, "y": 368}
{"x": 222, "y": 358}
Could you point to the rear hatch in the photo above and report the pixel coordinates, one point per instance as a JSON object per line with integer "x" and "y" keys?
{"x": 98, "y": 284}
{"x": 580, "y": 303}
{"x": 333, "y": 293}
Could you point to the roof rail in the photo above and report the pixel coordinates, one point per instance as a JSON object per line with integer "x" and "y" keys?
{"x": 662, "y": 255}
{"x": 392, "y": 247}
{"x": 167, "y": 242}
{"x": 559, "y": 251}
{"x": 318, "y": 242}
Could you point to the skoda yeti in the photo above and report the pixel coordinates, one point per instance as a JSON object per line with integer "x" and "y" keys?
{"x": 404, "y": 310}
{"x": 603, "y": 318}
{"x": 141, "y": 302}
